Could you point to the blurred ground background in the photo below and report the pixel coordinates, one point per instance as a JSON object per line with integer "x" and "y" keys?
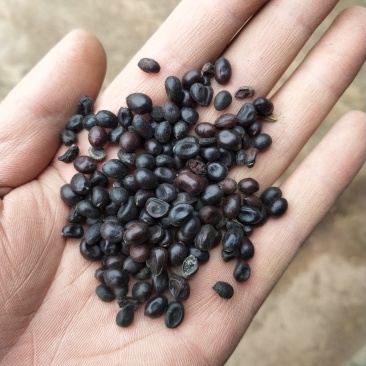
{"x": 316, "y": 313}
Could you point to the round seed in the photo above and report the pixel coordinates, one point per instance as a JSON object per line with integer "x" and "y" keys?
{"x": 242, "y": 271}
{"x": 139, "y": 103}
{"x": 125, "y": 316}
{"x": 156, "y": 306}
{"x": 105, "y": 293}
{"x": 222, "y": 100}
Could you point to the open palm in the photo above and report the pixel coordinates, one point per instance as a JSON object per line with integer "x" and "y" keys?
{"x": 49, "y": 313}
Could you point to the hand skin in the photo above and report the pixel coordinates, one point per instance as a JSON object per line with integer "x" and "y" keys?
{"x": 49, "y": 314}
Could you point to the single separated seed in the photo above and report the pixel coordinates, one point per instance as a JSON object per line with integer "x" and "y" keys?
{"x": 224, "y": 289}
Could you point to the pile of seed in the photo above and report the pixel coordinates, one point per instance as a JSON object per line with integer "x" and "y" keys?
{"x": 156, "y": 210}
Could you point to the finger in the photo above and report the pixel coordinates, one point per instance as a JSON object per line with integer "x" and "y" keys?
{"x": 311, "y": 92}
{"x": 195, "y": 32}
{"x": 35, "y": 111}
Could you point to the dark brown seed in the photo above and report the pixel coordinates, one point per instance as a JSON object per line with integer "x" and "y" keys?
{"x": 226, "y": 120}
{"x": 222, "y": 70}
{"x": 248, "y": 185}
{"x": 224, "y": 289}
{"x": 229, "y": 139}
{"x": 139, "y": 103}
{"x": 242, "y": 271}
{"x": 205, "y": 238}
{"x": 244, "y": 92}
{"x": 222, "y": 100}
{"x": 231, "y": 205}
{"x": 139, "y": 253}
{"x": 97, "y": 136}
{"x": 190, "y": 182}
{"x": 205, "y": 129}
{"x": 228, "y": 185}
{"x": 174, "y": 314}
{"x": 210, "y": 215}
{"x": 85, "y": 164}
{"x": 148, "y": 65}
{"x": 71, "y": 153}
{"x": 137, "y": 233}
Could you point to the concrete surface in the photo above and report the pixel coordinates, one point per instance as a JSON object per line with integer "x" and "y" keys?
{"x": 316, "y": 313}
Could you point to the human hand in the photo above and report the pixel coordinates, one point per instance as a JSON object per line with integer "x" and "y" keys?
{"x": 47, "y": 289}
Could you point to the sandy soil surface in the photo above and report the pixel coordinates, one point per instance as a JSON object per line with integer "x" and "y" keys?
{"x": 316, "y": 313}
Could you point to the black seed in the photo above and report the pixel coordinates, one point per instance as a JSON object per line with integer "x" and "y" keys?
{"x": 249, "y": 215}
{"x": 141, "y": 291}
{"x": 85, "y": 105}
{"x": 242, "y": 271}
{"x": 174, "y": 314}
{"x": 222, "y": 70}
{"x": 180, "y": 213}
{"x": 246, "y": 249}
{"x": 90, "y": 252}
{"x": 205, "y": 238}
{"x": 114, "y": 168}
{"x": 88, "y": 210}
{"x": 270, "y": 194}
{"x": 142, "y": 127}
{"x": 222, "y": 100}
{"x": 92, "y": 235}
{"x": 71, "y": 153}
{"x": 229, "y": 139}
{"x": 171, "y": 112}
{"x": 231, "y": 240}
{"x": 157, "y": 113}
{"x": 277, "y": 207}
{"x": 68, "y": 137}
{"x": 160, "y": 282}
{"x": 201, "y": 255}
{"x": 114, "y": 277}
{"x": 262, "y": 141}
{"x": 148, "y": 65}
{"x": 251, "y": 155}
{"x": 139, "y": 103}
{"x": 111, "y": 231}
{"x": 189, "y": 115}
{"x": 80, "y": 183}
{"x": 105, "y": 293}
{"x": 127, "y": 301}
{"x": 137, "y": 233}
{"x": 216, "y": 171}
{"x": 246, "y": 115}
{"x": 191, "y": 77}
{"x": 99, "y": 179}
{"x": 97, "y": 153}
{"x": 75, "y": 123}
{"x": 69, "y": 196}
{"x": 156, "y": 306}
{"x": 89, "y": 121}
{"x": 173, "y": 88}
{"x": 128, "y": 211}
{"x": 263, "y": 106}
{"x": 163, "y": 132}
{"x": 145, "y": 161}
{"x": 224, "y": 289}
{"x": 201, "y": 94}
{"x": 106, "y": 119}
{"x": 72, "y": 231}
{"x": 125, "y": 316}
{"x": 158, "y": 260}
{"x": 208, "y": 69}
